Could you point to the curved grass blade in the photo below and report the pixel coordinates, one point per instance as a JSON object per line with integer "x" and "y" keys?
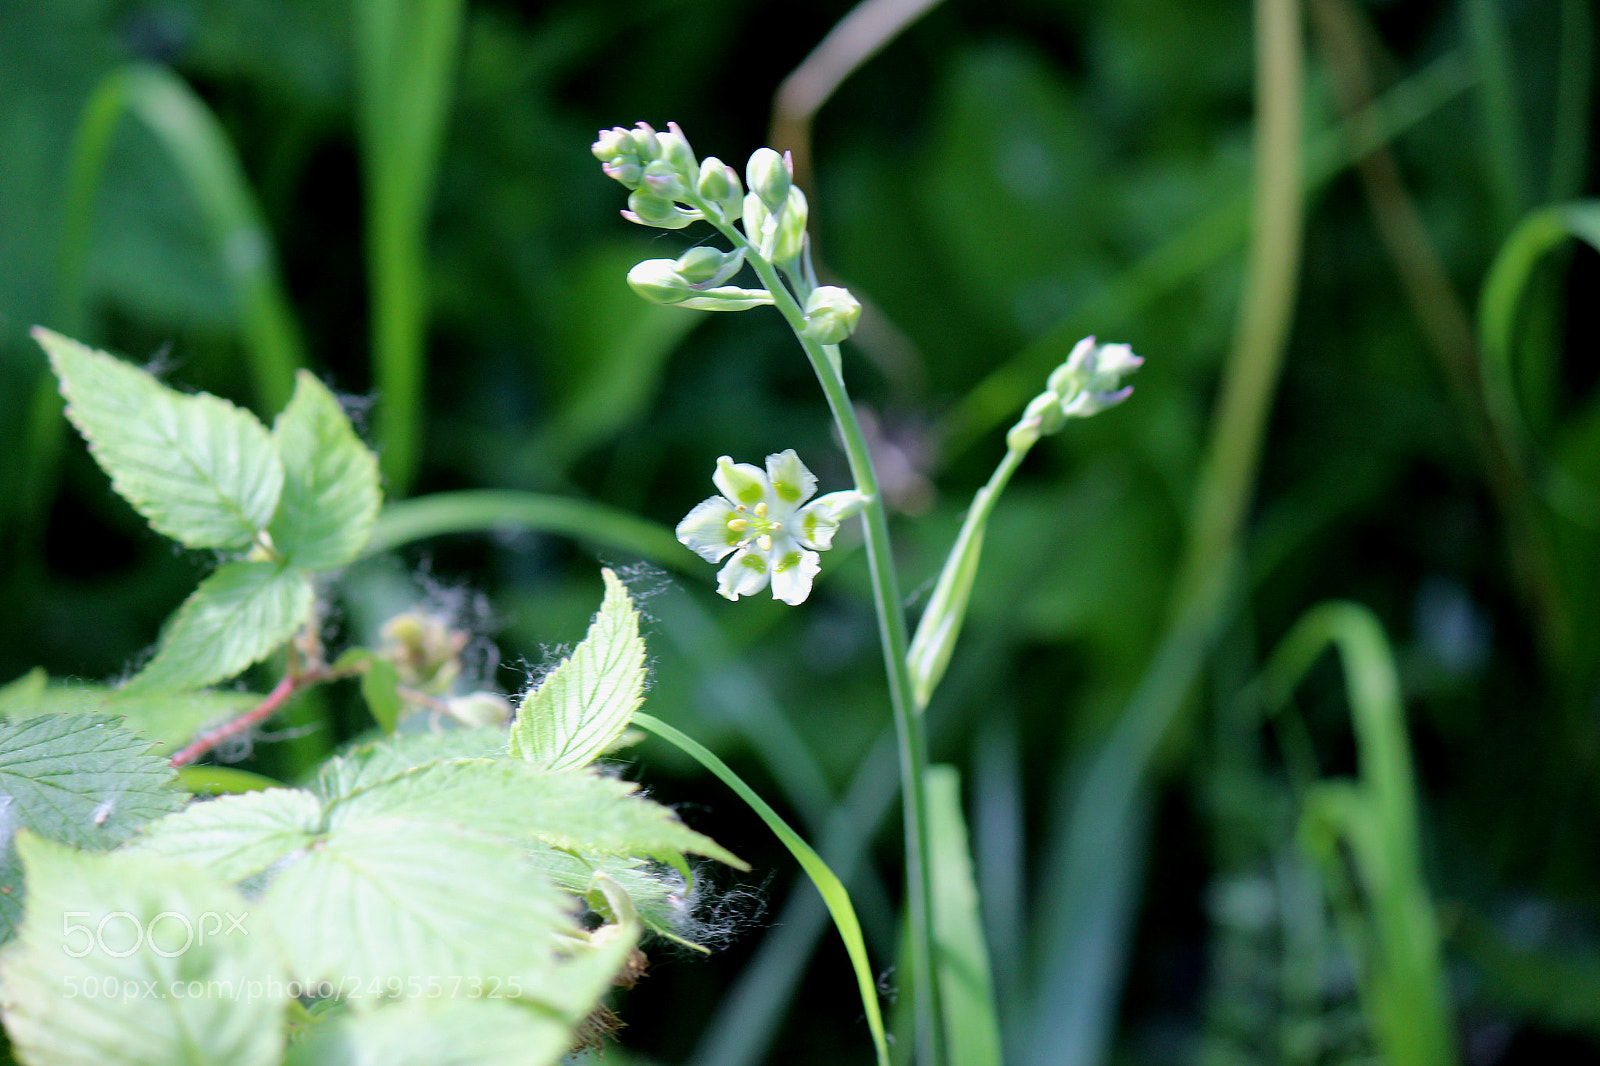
{"x": 493, "y": 510}
{"x": 832, "y": 890}
{"x": 1393, "y": 932}
{"x": 1534, "y": 237}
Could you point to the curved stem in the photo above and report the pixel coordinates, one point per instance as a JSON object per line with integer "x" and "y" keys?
{"x": 892, "y": 634}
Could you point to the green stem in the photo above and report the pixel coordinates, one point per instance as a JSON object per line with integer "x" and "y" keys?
{"x": 947, "y": 607}
{"x": 892, "y": 633}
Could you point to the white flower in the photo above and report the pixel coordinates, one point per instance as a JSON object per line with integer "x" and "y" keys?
{"x": 764, "y": 522}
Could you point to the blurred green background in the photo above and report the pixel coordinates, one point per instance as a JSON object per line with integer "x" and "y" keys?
{"x": 1001, "y": 179}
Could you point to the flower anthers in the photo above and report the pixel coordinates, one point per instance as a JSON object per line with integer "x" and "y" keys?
{"x": 763, "y": 520}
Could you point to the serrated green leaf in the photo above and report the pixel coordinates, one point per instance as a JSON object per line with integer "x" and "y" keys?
{"x": 395, "y": 897}
{"x": 365, "y": 765}
{"x": 199, "y": 469}
{"x": 79, "y": 779}
{"x": 236, "y": 618}
{"x": 509, "y": 798}
{"x": 330, "y": 490}
{"x": 585, "y": 703}
{"x": 427, "y": 1032}
{"x": 235, "y": 837}
{"x": 167, "y": 719}
{"x": 197, "y": 981}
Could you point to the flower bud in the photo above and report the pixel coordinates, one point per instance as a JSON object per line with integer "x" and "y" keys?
{"x": 790, "y": 238}
{"x": 619, "y": 156}
{"x": 831, "y": 314}
{"x": 645, "y": 141}
{"x": 657, "y": 280}
{"x": 1091, "y": 378}
{"x": 704, "y": 266}
{"x": 719, "y": 186}
{"x": 675, "y": 150}
{"x": 648, "y": 209}
{"x": 770, "y": 176}
{"x": 663, "y": 180}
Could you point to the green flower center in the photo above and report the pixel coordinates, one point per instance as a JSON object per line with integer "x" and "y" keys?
{"x": 753, "y": 524}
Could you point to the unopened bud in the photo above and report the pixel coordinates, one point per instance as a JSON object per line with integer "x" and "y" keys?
{"x": 662, "y": 179}
{"x": 719, "y": 186}
{"x": 650, "y": 210}
{"x": 659, "y": 281}
{"x": 645, "y": 141}
{"x": 831, "y": 314}
{"x": 675, "y": 150}
{"x": 790, "y": 239}
{"x": 704, "y": 266}
{"x": 1091, "y": 378}
{"x": 770, "y": 176}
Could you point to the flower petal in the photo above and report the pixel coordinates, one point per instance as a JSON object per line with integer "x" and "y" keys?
{"x": 705, "y": 530}
{"x": 745, "y": 575}
{"x": 792, "y": 483}
{"x": 819, "y": 520}
{"x": 792, "y": 574}
{"x": 740, "y": 482}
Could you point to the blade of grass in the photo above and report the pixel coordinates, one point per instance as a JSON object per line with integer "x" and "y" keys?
{"x": 1394, "y": 930}
{"x": 405, "y": 58}
{"x": 828, "y": 885}
{"x": 1505, "y": 149}
{"x": 972, "y": 1028}
{"x": 491, "y": 510}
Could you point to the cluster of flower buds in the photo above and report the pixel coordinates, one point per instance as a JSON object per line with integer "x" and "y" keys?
{"x": 1086, "y": 384}
{"x": 696, "y": 279}
{"x": 668, "y": 189}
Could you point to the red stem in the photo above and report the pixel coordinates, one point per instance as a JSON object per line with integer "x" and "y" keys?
{"x": 254, "y": 716}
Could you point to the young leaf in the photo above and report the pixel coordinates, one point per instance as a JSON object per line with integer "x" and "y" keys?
{"x": 584, "y": 704}
{"x": 78, "y": 779}
{"x": 330, "y": 490}
{"x": 581, "y": 812}
{"x": 236, "y": 836}
{"x": 137, "y": 960}
{"x": 394, "y": 897}
{"x": 199, "y": 469}
{"x": 234, "y": 619}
